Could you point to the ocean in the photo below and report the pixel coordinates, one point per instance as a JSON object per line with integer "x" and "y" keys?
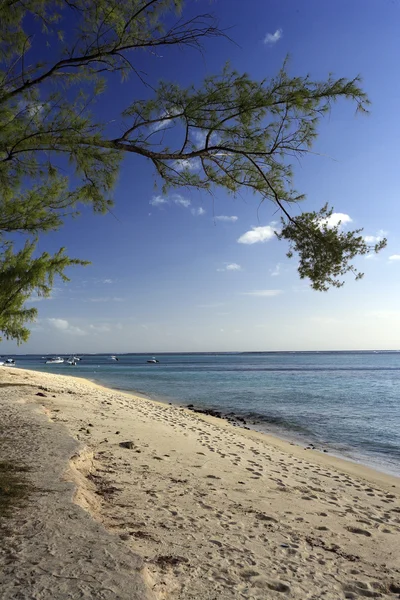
{"x": 345, "y": 402}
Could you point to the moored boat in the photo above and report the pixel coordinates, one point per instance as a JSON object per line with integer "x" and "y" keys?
{"x": 153, "y": 361}
{"x": 57, "y": 360}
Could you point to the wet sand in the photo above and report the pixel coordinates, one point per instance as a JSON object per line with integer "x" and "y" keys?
{"x": 216, "y": 511}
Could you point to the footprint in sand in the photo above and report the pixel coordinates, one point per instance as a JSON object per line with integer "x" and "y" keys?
{"x": 359, "y": 531}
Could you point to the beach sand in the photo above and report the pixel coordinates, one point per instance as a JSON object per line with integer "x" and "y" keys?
{"x": 192, "y": 507}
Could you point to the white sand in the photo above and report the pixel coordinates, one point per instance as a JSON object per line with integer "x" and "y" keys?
{"x": 219, "y": 512}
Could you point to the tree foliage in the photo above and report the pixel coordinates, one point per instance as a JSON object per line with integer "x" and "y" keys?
{"x": 56, "y": 57}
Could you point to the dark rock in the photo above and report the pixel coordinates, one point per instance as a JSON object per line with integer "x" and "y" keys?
{"x": 128, "y": 445}
{"x": 117, "y": 432}
{"x": 90, "y": 425}
{"x": 190, "y": 406}
{"x": 41, "y": 394}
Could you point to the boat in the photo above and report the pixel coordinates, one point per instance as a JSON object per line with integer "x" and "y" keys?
{"x": 72, "y": 361}
{"x": 153, "y": 361}
{"x": 57, "y": 360}
{"x": 114, "y": 357}
{"x": 10, "y": 362}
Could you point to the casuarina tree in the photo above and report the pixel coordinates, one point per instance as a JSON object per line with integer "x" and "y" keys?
{"x": 56, "y": 59}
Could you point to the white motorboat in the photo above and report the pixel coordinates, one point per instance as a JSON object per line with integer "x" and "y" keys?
{"x": 57, "y": 360}
{"x": 72, "y": 361}
{"x": 153, "y": 361}
{"x": 114, "y": 357}
{"x": 10, "y": 362}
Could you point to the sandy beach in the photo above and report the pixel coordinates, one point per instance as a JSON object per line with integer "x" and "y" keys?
{"x": 159, "y": 502}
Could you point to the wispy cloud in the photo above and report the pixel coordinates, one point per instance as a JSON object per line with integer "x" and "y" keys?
{"x": 226, "y": 218}
{"x": 173, "y": 199}
{"x": 178, "y": 200}
{"x": 272, "y": 38}
{"x": 394, "y": 257}
{"x": 65, "y": 326}
{"x": 230, "y": 267}
{"x": 259, "y": 234}
{"x": 276, "y": 270}
{"x": 263, "y": 293}
{"x": 158, "y": 201}
{"x": 198, "y": 212}
{"x": 166, "y": 118}
{"x": 186, "y": 164}
{"x": 107, "y": 281}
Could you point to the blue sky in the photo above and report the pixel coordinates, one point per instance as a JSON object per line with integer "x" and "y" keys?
{"x": 168, "y": 274}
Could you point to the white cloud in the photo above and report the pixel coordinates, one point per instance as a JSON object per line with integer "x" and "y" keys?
{"x": 231, "y": 267}
{"x": 263, "y": 293}
{"x": 258, "y": 234}
{"x": 158, "y": 201}
{"x": 107, "y": 281}
{"x": 198, "y": 212}
{"x": 100, "y": 328}
{"x": 276, "y": 271}
{"x": 272, "y": 38}
{"x": 186, "y": 164}
{"x": 180, "y": 200}
{"x": 337, "y": 218}
{"x": 59, "y": 323}
{"x": 394, "y": 257}
{"x": 375, "y": 239}
{"x": 64, "y": 326}
{"x": 226, "y": 218}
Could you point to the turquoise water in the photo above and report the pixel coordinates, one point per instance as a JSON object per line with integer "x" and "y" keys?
{"x": 346, "y": 402}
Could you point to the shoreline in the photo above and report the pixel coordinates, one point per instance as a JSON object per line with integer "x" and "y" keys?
{"x": 337, "y": 461}
{"x": 264, "y": 429}
{"x": 214, "y": 511}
